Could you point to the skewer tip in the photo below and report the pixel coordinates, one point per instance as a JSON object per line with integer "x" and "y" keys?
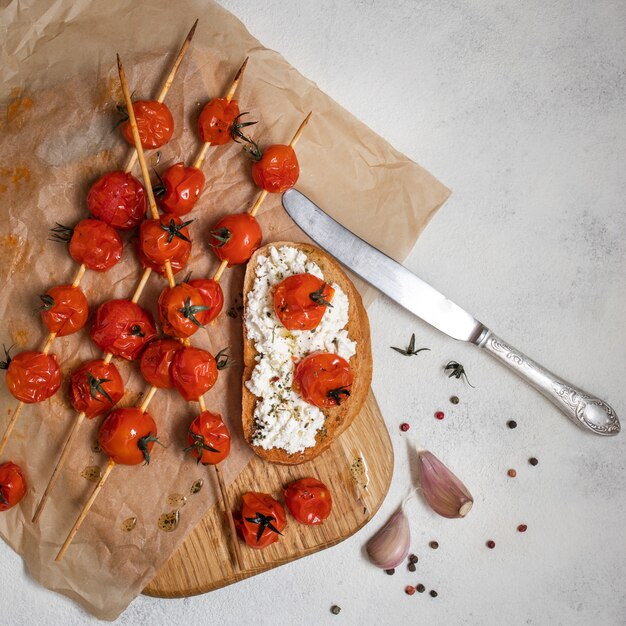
{"x": 119, "y": 62}
{"x": 192, "y": 31}
{"x": 241, "y": 69}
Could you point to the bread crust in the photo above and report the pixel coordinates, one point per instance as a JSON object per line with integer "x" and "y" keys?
{"x": 339, "y": 418}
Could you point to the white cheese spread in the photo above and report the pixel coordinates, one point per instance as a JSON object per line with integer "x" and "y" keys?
{"x": 281, "y": 418}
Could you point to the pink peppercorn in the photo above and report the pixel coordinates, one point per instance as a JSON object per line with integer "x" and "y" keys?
{"x": 522, "y": 528}
{"x": 409, "y": 590}
{"x": 439, "y": 415}
{"x": 404, "y": 427}
{"x": 491, "y": 544}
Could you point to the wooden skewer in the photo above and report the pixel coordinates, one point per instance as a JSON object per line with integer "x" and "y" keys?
{"x": 229, "y": 96}
{"x": 10, "y": 426}
{"x": 167, "y": 84}
{"x": 57, "y": 470}
{"x": 85, "y": 510}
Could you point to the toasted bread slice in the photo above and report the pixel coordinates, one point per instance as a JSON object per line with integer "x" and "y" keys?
{"x": 337, "y": 419}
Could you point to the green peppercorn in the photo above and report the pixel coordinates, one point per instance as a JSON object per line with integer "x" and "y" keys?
{"x": 335, "y": 610}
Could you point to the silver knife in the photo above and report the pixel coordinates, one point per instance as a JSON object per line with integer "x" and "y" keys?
{"x": 411, "y": 292}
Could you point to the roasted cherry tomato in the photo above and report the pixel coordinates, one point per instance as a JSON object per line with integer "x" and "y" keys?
{"x": 156, "y": 360}
{"x": 177, "y": 263}
{"x": 277, "y": 170}
{"x": 308, "y": 500}
{"x": 12, "y": 485}
{"x": 95, "y": 388}
{"x": 261, "y": 519}
{"x": 212, "y": 296}
{"x": 235, "y": 238}
{"x": 300, "y": 301}
{"x": 181, "y": 310}
{"x": 182, "y": 187}
{"x": 164, "y": 239}
{"x": 216, "y": 121}
{"x": 323, "y": 379}
{"x": 32, "y": 376}
{"x": 128, "y": 436}
{"x": 64, "y": 310}
{"x": 194, "y": 372}
{"x": 154, "y": 123}
{"x": 209, "y": 439}
{"x": 93, "y": 243}
{"x": 122, "y": 328}
{"x": 118, "y": 199}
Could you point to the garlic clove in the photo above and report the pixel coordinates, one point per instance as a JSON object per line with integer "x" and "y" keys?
{"x": 443, "y": 491}
{"x": 390, "y": 545}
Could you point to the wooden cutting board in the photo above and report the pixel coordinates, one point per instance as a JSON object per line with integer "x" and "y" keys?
{"x": 203, "y": 563}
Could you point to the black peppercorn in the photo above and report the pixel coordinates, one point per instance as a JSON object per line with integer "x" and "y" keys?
{"x": 512, "y": 424}
{"x": 412, "y": 558}
{"x": 434, "y": 545}
{"x": 533, "y": 461}
{"x": 433, "y": 593}
{"x": 390, "y": 572}
{"x": 420, "y": 588}
{"x": 411, "y": 567}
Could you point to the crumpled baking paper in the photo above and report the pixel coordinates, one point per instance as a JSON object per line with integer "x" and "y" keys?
{"x": 57, "y": 113}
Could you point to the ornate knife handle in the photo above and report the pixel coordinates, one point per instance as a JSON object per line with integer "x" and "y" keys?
{"x": 581, "y": 407}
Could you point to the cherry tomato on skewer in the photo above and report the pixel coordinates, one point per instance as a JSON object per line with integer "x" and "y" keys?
{"x": 12, "y": 485}
{"x": 64, "y": 310}
{"x": 92, "y": 243}
{"x": 194, "y": 371}
{"x": 277, "y": 169}
{"x": 261, "y": 519}
{"x": 128, "y": 436}
{"x": 156, "y": 361}
{"x": 164, "y": 239}
{"x": 118, "y": 199}
{"x": 95, "y": 388}
{"x": 181, "y": 310}
{"x": 301, "y": 300}
{"x": 235, "y": 238}
{"x": 154, "y": 123}
{"x": 122, "y": 328}
{"x": 32, "y": 376}
{"x": 216, "y": 121}
{"x": 177, "y": 263}
{"x": 209, "y": 439}
{"x": 323, "y": 379}
{"x": 181, "y": 188}
{"x": 308, "y": 500}
{"x": 212, "y": 296}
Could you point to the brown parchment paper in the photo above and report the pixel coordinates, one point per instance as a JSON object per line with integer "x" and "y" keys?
{"x": 60, "y": 88}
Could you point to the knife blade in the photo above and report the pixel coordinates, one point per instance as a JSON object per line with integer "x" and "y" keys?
{"x": 418, "y": 297}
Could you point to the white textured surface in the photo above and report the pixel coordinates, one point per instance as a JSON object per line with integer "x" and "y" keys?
{"x": 520, "y": 109}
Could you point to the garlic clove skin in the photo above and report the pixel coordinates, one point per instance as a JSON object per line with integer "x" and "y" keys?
{"x": 390, "y": 545}
{"x": 443, "y": 491}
